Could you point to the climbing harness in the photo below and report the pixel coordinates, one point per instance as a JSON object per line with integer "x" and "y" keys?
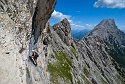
{"x": 32, "y": 59}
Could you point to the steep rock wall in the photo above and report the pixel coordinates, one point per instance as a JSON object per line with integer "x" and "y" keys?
{"x": 16, "y": 18}
{"x": 41, "y": 15}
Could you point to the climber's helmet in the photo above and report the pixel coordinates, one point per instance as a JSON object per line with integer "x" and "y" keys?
{"x": 33, "y": 50}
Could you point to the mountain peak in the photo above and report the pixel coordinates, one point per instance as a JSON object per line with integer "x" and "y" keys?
{"x": 63, "y": 29}
{"x": 107, "y": 22}
{"x": 64, "y": 20}
{"x": 104, "y": 27}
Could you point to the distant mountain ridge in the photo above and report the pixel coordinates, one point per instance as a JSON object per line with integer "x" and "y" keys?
{"x": 78, "y": 34}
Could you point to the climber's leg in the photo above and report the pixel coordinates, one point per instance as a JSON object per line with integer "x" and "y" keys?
{"x": 35, "y": 61}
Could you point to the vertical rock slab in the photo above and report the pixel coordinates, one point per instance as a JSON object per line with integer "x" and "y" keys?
{"x": 15, "y": 29}
{"x": 63, "y": 29}
{"x": 42, "y": 13}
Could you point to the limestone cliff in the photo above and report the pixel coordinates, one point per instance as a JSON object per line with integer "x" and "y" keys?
{"x": 18, "y": 20}
{"x": 24, "y": 26}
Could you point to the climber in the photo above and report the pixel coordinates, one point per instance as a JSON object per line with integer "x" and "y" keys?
{"x": 34, "y": 56}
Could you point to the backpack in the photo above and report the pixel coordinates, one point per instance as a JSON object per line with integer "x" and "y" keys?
{"x": 36, "y": 54}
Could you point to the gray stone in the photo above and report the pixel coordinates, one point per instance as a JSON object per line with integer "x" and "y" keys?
{"x": 68, "y": 61}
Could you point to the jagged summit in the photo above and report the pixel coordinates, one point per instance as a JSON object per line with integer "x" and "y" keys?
{"x": 63, "y": 29}
{"x": 108, "y": 30}
{"x": 107, "y": 22}
{"x": 65, "y": 20}
{"x": 106, "y": 27}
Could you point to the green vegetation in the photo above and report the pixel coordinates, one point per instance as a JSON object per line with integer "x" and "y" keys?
{"x": 103, "y": 81}
{"x": 73, "y": 51}
{"x": 120, "y": 78}
{"x": 78, "y": 82}
{"x": 27, "y": 71}
{"x": 97, "y": 28}
{"x": 85, "y": 71}
{"x": 8, "y": 10}
{"x": 116, "y": 52}
{"x": 111, "y": 80}
{"x": 61, "y": 68}
{"x": 86, "y": 81}
{"x": 94, "y": 71}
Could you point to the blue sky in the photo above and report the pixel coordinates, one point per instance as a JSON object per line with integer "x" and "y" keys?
{"x": 85, "y": 14}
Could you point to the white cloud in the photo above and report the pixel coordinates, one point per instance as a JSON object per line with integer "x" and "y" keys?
{"x": 95, "y": 25}
{"x": 70, "y": 21}
{"x": 88, "y": 25}
{"x": 110, "y": 3}
{"x": 76, "y": 26}
{"x": 59, "y": 16}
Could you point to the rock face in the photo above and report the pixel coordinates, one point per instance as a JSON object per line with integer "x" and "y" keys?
{"x": 114, "y": 39}
{"x": 87, "y": 62}
{"x": 16, "y": 20}
{"x": 42, "y": 13}
{"x": 24, "y": 26}
{"x": 63, "y": 29}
